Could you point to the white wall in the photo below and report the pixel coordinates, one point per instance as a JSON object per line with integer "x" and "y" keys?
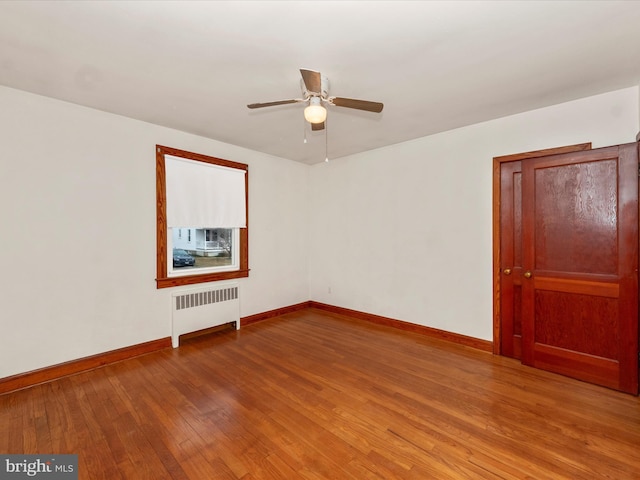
{"x": 77, "y": 204}
{"x": 406, "y": 231}
{"x": 403, "y": 231}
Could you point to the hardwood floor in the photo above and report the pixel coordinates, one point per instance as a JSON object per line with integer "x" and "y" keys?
{"x": 315, "y": 395}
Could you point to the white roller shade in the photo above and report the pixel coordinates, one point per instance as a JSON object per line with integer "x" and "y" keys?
{"x": 203, "y": 195}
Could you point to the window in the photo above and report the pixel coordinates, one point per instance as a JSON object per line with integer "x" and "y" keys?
{"x": 208, "y": 197}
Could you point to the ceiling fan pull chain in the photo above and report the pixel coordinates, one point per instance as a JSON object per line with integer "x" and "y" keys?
{"x": 304, "y": 130}
{"x": 326, "y": 140}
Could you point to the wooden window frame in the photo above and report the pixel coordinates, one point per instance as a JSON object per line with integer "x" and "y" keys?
{"x": 162, "y": 278}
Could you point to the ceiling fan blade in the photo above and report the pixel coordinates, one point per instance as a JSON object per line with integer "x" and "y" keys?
{"x": 271, "y": 104}
{"x": 312, "y": 80}
{"x": 358, "y": 104}
{"x": 317, "y": 126}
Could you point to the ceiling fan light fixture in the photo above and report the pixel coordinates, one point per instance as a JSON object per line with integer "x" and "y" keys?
{"x": 315, "y": 113}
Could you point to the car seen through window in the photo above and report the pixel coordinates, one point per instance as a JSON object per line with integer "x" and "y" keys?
{"x": 181, "y": 258}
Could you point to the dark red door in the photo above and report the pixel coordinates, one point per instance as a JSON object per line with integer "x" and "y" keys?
{"x": 511, "y": 259}
{"x": 579, "y": 269}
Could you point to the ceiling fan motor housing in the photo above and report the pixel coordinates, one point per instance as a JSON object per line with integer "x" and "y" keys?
{"x": 324, "y": 89}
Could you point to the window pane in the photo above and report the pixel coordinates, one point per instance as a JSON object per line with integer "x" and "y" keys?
{"x": 203, "y": 248}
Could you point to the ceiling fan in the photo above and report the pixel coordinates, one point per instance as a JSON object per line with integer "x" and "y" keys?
{"x": 315, "y": 88}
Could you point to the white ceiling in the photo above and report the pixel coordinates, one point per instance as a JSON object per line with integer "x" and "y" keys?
{"x": 194, "y": 66}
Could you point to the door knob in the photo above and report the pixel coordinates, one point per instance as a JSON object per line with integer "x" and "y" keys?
{"x": 507, "y": 271}
{"x": 527, "y": 274}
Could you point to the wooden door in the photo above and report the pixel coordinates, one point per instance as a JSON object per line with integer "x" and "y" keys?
{"x": 511, "y": 258}
{"x": 508, "y": 246}
{"x": 580, "y": 261}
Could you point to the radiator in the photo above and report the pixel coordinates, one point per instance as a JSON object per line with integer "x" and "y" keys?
{"x": 195, "y": 310}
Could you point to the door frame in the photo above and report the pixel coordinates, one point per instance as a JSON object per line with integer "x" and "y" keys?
{"x": 497, "y": 162}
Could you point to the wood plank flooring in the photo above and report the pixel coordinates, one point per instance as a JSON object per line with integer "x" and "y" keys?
{"x": 314, "y": 395}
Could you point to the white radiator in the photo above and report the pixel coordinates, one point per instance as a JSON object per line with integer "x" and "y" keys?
{"x": 195, "y": 310}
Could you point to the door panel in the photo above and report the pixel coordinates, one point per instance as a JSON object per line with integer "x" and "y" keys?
{"x": 580, "y": 242}
{"x": 575, "y": 217}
